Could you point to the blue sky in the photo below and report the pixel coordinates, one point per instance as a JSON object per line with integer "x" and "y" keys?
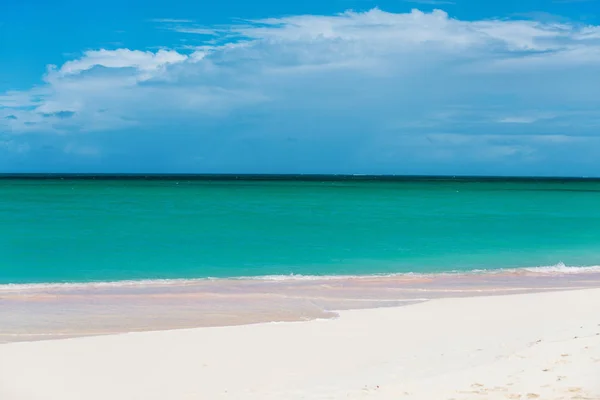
{"x": 330, "y": 86}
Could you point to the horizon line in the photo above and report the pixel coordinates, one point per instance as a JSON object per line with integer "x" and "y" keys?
{"x": 275, "y": 177}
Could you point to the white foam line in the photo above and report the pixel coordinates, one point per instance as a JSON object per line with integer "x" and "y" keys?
{"x": 558, "y": 270}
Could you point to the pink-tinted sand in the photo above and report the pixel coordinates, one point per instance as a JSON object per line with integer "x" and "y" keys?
{"x": 60, "y": 311}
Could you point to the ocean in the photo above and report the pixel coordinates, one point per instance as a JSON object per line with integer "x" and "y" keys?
{"x": 129, "y": 228}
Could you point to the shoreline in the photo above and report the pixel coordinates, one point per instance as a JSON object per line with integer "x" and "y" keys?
{"x": 559, "y": 269}
{"x": 519, "y": 346}
{"x": 46, "y": 313}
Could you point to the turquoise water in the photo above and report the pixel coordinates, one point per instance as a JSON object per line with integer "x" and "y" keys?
{"x": 107, "y": 230}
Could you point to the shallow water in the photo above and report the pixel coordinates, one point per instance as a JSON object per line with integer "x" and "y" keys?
{"x": 50, "y": 312}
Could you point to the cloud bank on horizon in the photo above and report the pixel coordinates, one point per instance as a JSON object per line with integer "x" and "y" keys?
{"x": 357, "y": 92}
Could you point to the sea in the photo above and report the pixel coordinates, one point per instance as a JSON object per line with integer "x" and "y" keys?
{"x": 60, "y": 229}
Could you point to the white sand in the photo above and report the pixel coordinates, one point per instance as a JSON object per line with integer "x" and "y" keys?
{"x": 544, "y": 345}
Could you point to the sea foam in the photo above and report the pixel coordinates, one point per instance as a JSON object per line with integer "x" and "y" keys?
{"x": 550, "y": 270}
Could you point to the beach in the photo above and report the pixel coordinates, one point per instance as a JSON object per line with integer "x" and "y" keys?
{"x": 518, "y": 346}
{"x": 204, "y": 287}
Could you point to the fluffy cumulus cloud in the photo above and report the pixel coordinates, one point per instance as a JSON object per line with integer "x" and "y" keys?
{"x": 355, "y": 92}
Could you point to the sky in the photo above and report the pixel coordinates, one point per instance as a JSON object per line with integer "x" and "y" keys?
{"x": 442, "y": 87}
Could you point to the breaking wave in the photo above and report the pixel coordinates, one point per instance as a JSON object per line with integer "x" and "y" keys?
{"x": 551, "y": 270}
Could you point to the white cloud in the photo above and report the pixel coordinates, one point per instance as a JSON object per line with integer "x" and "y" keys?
{"x": 397, "y": 76}
{"x": 121, "y": 58}
{"x": 82, "y": 150}
{"x": 13, "y": 146}
{"x": 198, "y": 31}
{"x": 526, "y": 118}
{"x": 431, "y": 2}
{"x": 171, "y": 20}
{"x": 518, "y": 120}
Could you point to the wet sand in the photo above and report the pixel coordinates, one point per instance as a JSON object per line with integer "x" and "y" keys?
{"x": 61, "y": 311}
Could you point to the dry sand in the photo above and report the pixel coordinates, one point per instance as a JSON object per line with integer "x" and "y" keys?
{"x": 525, "y": 346}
